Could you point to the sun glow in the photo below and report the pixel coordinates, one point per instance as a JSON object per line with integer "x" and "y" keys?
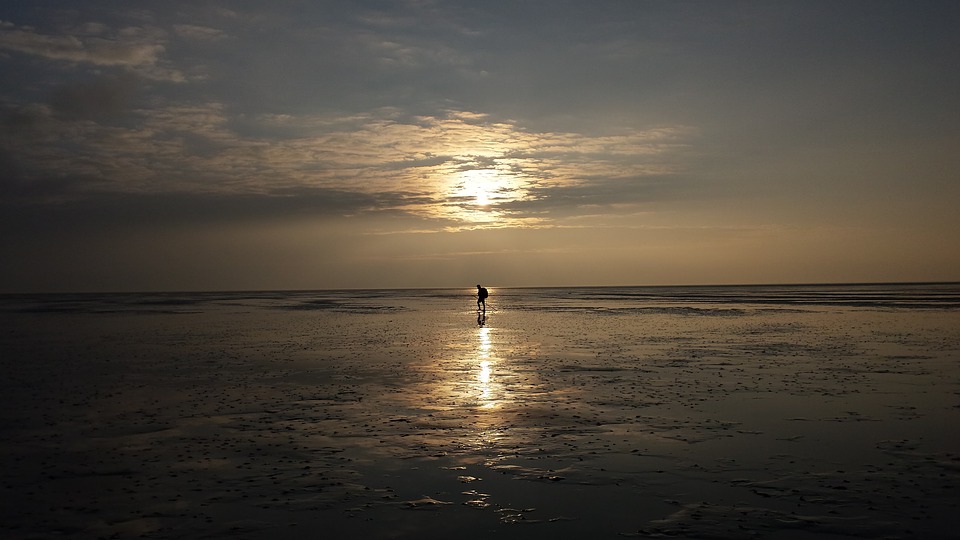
{"x": 476, "y": 196}
{"x": 482, "y": 185}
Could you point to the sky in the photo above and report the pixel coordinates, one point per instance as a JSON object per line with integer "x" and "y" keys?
{"x": 242, "y": 145}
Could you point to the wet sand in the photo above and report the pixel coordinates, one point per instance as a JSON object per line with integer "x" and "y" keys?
{"x": 405, "y": 419}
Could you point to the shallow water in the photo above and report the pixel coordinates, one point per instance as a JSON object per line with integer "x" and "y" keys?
{"x": 719, "y": 412}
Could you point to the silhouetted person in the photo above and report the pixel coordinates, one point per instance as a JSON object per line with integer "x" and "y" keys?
{"x": 481, "y": 298}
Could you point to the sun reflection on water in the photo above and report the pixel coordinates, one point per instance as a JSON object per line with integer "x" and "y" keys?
{"x": 484, "y": 335}
{"x": 485, "y": 380}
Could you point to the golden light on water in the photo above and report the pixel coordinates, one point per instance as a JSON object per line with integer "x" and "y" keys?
{"x": 485, "y": 382}
{"x": 484, "y": 378}
{"x": 484, "y": 335}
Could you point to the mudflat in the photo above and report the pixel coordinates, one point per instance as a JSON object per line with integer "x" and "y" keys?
{"x": 406, "y": 414}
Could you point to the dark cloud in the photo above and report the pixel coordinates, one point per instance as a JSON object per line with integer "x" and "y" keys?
{"x": 19, "y": 186}
{"x": 97, "y": 99}
{"x": 17, "y": 189}
{"x": 11, "y": 170}
{"x": 602, "y": 195}
{"x": 29, "y": 208}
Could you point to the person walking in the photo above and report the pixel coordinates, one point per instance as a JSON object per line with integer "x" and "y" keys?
{"x": 481, "y": 298}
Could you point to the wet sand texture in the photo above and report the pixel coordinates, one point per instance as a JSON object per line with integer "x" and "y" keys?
{"x": 397, "y": 416}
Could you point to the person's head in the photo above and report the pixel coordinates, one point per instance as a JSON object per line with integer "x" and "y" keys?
{"x": 478, "y": 285}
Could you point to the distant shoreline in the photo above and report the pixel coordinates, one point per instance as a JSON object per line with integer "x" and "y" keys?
{"x": 495, "y": 287}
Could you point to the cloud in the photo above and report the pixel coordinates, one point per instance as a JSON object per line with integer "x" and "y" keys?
{"x": 93, "y": 50}
{"x": 104, "y": 96}
{"x": 132, "y": 48}
{"x": 199, "y": 33}
{"x": 459, "y": 166}
{"x": 23, "y": 214}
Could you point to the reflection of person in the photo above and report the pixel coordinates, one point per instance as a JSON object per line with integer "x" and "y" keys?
{"x": 481, "y": 298}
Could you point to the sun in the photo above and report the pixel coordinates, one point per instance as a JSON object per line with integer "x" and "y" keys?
{"x": 482, "y": 198}
{"x": 479, "y": 194}
{"x": 481, "y": 184}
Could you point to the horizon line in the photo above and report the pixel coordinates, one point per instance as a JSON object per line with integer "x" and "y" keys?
{"x": 714, "y": 285}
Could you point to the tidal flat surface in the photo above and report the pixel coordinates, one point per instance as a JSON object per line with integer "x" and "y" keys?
{"x": 727, "y": 412}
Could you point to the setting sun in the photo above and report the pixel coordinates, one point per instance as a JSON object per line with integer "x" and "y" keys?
{"x": 481, "y": 184}
{"x": 476, "y": 196}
